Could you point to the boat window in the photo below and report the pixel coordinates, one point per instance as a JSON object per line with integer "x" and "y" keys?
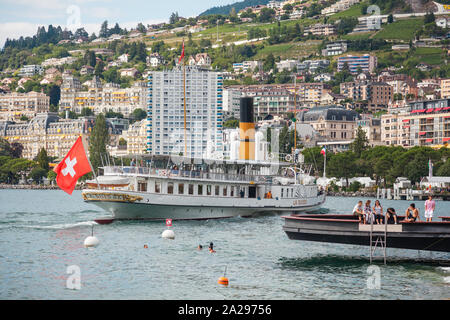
{"x": 208, "y": 190}
{"x": 191, "y": 189}
{"x": 282, "y": 191}
{"x": 142, "y": 186}
{"x": 217, "y": 191}
{"x": 157, "y": 187}
{"x": 170, "y": 187}
{"x": 225, "y": 191}
{"x": 232, "y": 191}
{"x": 181, "y": 188}
{"x": 200, "y": 190}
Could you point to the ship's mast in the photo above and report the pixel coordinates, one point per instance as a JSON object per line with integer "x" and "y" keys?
{"x": 184, "y": 100}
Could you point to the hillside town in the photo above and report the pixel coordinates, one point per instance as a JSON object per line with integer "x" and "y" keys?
{"x": 323, "y": 69}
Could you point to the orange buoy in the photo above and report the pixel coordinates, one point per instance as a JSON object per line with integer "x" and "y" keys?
{"x": 223, "y": 281}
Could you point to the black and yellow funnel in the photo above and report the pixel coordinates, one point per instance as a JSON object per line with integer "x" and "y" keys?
{"x": 246, "y": 130}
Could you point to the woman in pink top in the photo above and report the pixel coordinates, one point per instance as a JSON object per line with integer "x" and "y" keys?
{"x": 429, "y": 208}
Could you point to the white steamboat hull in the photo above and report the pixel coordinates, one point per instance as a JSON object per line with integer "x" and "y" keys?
{"x": 128, "y": 205}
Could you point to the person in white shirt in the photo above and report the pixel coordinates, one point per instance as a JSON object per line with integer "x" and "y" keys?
{"x": 358, "y": 210}
{"x": 430, "y": 205}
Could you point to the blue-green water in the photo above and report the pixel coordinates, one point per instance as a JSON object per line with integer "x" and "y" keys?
{"x": 42, "y": 233}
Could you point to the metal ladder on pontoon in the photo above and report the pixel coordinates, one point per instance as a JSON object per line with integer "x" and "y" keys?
{"x": 378, "y": 240}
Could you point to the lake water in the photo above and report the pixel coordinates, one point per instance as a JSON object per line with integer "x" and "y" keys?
{"x": 42, "y": 234}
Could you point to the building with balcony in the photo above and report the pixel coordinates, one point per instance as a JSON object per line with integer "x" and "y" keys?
{"x": 364, "y": 63}
{"x": 332, "y": 123}
{"x": 15, "y": 105}
{"x": 204, "y": 112}
{"x": 421, "y": 123}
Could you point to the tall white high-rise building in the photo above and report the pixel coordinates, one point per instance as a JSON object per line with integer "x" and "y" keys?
{"x": 204, "y": 114}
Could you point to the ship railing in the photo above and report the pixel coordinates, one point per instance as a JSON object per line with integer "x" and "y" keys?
{"x": 172, "y": 173}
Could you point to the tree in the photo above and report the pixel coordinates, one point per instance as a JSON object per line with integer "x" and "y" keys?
{"x": 5, "y": 147}
{"x": 55, "y": 95}
{"x": 138, "y": 114}
{"x": 141, "y": 28}
{"x": 429, "y": 18}
{"x": 86, "y": 112}
{"x": 104, "y": 30}
{"x": 360, "y": 143}
{"x": 269, "y": 62}
{"x": 98, "y": 141}
{"x": 42, "y": 160}
{"x": 444, "y": 170}
{"x": 342, "y": 165}
{"x": 37, "y": 173}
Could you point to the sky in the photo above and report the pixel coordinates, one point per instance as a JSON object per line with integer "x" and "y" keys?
{"x": 22, "y": 17}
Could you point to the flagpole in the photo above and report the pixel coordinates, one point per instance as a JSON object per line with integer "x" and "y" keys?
{"x": 184, "y": 100}
{"x": 324, "y": 163}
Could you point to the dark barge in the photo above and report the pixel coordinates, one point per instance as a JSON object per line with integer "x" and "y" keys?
{"x": 346, "y": 229}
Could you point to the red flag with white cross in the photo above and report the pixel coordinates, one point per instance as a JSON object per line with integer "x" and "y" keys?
{"x": 72, "y": 167}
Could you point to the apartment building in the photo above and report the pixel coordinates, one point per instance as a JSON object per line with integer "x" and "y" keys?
{"x": 421, "y": 123}
{"x": 102, "y": 98}
{"x": 335, "y": 48}
{"x": 320, "y": 29}
{"x": 364, "y": 63}
{"x": 136, "y": 137}
{"x": 204, "y": 111}
{"x": 49, "y": 131}
{"x": 331, "y": 122}
{"x": 374, "y": 96}
{"x": 445, "y": 88}
{"x": 247, "y": 66}
{"x": 339, "y": 6}
{"x": 15, "y": 105}
{"x": 279, "y": 99}
{"x": 231, "y": 102}
{"x": 372, "y": 127}
{"x": 30, "y": 70}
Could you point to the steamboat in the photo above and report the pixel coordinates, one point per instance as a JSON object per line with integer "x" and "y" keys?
{"x": 181, "y": 188}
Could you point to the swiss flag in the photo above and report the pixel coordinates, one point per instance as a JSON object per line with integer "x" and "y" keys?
{"x": 73, "y": 166}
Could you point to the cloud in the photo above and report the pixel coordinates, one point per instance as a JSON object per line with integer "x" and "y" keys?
{"x": 14, "y": 30}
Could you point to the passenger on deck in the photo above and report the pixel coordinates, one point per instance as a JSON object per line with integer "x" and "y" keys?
{"x": 368, "y": 214}
{"x": 430, "y": 205}
{"x": 412, "y": 214}
{"x": 358, "y": 211}
{"x": 378, "y": 211}
{"x": 242, "y": 193}
{"x": 391, "y": 215}
{"x": 269, "y": 195}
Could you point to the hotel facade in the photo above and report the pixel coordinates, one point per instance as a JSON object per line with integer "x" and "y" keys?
{"x": 204, "y": 112}
{"x": 421, "y": 123}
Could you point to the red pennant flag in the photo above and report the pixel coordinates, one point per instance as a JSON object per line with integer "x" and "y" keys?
{"x": 73, "y": 166}
{"x": 182, "y": 54}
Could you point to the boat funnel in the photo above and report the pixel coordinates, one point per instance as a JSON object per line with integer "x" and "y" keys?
{"x": 246, "y": 130}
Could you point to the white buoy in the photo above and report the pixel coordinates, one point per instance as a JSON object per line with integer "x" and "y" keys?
{"x": 92, "y": 240}
{"x": 168, "y": 234}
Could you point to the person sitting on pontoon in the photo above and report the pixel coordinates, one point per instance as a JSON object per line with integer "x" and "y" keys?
{"x": 391, "y": 215}
{"x": 378, "y": 211}
{"x": 412, "y": 214}
{"x": 358, "y": 210}
{"x": 369, "y": 217}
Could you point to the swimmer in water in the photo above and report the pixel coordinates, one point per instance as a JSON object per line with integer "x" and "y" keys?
{"x": 211, "y": 247}
{"x": 200, "y": 247}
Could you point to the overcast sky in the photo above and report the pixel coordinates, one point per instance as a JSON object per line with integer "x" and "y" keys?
{"x": 22, "y": 17}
